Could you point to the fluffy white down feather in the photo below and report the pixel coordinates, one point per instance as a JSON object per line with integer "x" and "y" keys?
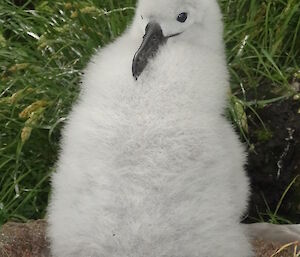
{"x": 151, "y": 168}
{"x": 273, "y": 233}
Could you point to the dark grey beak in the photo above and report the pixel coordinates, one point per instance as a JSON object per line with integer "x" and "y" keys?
{"x": 152, "y": 39}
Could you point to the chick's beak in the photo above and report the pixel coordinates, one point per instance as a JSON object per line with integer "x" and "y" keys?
{"x": 152, "y": 40}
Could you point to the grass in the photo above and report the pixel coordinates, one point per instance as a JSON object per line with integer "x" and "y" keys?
{"x": 272, "y": 216}
{"x": 44, "y": 45}
{"x": 41, "y": 57}
{"x": 295, "y": 245}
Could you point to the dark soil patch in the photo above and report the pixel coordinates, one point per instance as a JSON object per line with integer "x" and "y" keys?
{"x": 274, "y": 160}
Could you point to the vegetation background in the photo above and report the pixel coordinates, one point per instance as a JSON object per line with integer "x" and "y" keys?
{"x": 44, "y": 45}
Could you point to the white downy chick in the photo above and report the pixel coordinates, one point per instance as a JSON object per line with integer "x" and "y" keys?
{"x": 149, "y": 165}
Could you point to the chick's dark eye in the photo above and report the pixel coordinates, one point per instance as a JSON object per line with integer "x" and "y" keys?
{"x": 182, "y": 17}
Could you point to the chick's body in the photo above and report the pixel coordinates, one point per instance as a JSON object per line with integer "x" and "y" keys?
{"x": 150, "y": 167}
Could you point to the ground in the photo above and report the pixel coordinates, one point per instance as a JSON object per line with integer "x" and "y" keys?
{"x": 29, "y": 240}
